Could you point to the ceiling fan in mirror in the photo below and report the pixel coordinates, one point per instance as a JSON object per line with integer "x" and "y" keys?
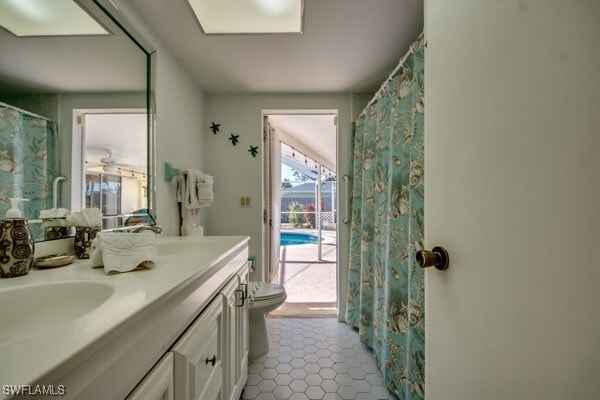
{"x": 110, "y": 165}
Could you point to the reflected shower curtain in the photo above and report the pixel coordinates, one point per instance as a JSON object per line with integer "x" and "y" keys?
{"x": 385, "y": 286}
{"x": 28, "y": 160}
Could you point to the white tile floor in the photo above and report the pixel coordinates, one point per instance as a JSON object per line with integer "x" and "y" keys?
{"x": 314, "y": 358}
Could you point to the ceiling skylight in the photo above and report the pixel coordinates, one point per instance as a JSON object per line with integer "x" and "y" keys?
{"x": 47, "y": 18}
{"x": 249, "y": 16}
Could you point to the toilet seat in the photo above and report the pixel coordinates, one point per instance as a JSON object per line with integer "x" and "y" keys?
{"x": 260, "y": 291}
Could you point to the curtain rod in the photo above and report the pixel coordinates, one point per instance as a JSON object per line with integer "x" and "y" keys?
{"x": 395, "y": 71}
{"x": 24, "y": 111}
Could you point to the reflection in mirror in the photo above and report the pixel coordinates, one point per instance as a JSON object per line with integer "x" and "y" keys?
{"x": 28, "y": 161}
{"x": 116, "y": 166}
{"x": 44, "y": 83}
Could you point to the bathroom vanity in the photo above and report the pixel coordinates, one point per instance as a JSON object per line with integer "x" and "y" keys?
{"x": 178, "y": 331}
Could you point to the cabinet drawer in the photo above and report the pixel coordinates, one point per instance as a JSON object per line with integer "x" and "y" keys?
{"x": 198, "y": 356}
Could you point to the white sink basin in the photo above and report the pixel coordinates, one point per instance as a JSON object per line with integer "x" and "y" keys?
{"x": 183, "y": 247}
{"x": 32, "y": 309}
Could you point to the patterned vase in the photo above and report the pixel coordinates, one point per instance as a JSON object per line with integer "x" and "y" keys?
{"x": 83, "y": 240}
{"x": 56, "y": 232}
{"x": 16, "y": 248}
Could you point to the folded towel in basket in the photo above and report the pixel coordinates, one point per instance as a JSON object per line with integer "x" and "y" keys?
{"x": 123, "y": 252}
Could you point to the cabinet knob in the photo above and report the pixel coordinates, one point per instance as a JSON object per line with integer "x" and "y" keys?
{"x": 212, "y": 360}
{"x": 437, "y": 257}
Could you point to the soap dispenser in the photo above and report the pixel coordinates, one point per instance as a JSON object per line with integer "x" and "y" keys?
{"x": 16, "y": 243}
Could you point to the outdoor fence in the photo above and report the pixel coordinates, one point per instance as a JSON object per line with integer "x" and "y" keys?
{"x": 328, "y": 218}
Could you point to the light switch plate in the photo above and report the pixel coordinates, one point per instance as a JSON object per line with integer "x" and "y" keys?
{"x": 245, "y": 202}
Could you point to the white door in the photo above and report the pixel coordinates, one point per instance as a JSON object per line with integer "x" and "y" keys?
{"x": 274, "y": 199}
{"x": 512, "y": 191}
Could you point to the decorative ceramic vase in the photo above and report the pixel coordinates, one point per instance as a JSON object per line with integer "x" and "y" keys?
{"x": 56, "y": 232}
{"x": 16, "y": 248}
{"x": 83, "y": 240}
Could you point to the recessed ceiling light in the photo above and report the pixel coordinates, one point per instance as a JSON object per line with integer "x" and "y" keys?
{"x": 47, "y": 18}
{"x": 249, "y": 16}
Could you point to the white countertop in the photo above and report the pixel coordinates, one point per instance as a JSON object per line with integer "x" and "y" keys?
{"x": 26, "y": 357}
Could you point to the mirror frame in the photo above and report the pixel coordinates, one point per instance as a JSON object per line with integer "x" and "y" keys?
{"x": 117, "y": 16}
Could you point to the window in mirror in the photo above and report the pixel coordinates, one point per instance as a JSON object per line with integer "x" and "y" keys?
{"x": 105, "y": 191}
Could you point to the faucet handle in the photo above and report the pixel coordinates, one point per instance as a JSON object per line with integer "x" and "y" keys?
{"x": 154, "y": 228}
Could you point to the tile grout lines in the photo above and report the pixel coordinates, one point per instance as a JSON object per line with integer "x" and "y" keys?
{"x": 314, "y": 359}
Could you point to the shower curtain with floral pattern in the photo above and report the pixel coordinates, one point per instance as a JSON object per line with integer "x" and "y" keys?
{"x": 386, "y": 289}
{"x": 28, "y": 161}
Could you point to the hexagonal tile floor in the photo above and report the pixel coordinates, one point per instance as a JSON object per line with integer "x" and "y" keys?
{"x": 314, "y": 358}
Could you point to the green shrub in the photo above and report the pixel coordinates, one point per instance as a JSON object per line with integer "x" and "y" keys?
{"x": 296, "y": 219}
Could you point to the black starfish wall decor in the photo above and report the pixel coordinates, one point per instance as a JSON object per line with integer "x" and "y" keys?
{"x": 234, "y": 139}
{"x": 215, "y": 128}
{"x": 253, "y": 150}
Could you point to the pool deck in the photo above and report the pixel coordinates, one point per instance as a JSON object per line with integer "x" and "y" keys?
{"x": 310, "y": 283}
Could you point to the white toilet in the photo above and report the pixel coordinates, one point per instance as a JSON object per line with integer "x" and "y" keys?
{"x": 263, "y": 298}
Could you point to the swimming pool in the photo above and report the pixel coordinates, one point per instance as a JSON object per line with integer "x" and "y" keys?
{"x": 293, "y": 238}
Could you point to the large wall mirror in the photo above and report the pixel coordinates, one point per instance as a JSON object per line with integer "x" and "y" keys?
{"x": 77, "y": 120}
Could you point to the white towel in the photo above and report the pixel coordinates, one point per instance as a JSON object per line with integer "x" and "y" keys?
{"x": 123, "y": 252}
{"x": 194, "y": 191}
{"x": 205, "y": 193}
{"x": 55, "y": 216}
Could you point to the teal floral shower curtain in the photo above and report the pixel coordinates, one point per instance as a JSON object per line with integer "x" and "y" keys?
{"x": 28, "y": 160}
{"x": 386, "y": 289}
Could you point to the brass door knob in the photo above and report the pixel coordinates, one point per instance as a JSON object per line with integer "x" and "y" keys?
{"x": 437, "y": 257}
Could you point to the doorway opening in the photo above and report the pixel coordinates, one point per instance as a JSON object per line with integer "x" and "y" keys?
{"x": 300, "y": 169}
{"x": 111, "y": 171}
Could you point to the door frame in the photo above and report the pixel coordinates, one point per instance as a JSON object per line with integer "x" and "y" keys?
{"x": 78, "y": 141}
{"x": 266, "y": 254}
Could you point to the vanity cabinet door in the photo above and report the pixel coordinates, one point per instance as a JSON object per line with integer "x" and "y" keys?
{"x": 230, "y": 297}
{"x": 242, "y": 339}
{"x": 158, "y": 384}
{"x": 198, "y": 356}
{"x": 236, "y": 351}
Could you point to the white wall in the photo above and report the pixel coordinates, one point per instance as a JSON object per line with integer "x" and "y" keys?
{"x": 132, "y": 194}
{"x": 512, "y": 187}
{"x": 180, "y": 138}
{"x": 180, "y": 123}
{"x": 238, "y": 174}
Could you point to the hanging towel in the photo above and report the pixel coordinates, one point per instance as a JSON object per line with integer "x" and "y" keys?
{"x": 194, "y": 191}
{"x": 123, "y": 252}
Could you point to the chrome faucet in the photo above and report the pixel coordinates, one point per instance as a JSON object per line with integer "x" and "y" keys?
{"x": 149, "y": 226}
{"x": 154, "y": 228}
